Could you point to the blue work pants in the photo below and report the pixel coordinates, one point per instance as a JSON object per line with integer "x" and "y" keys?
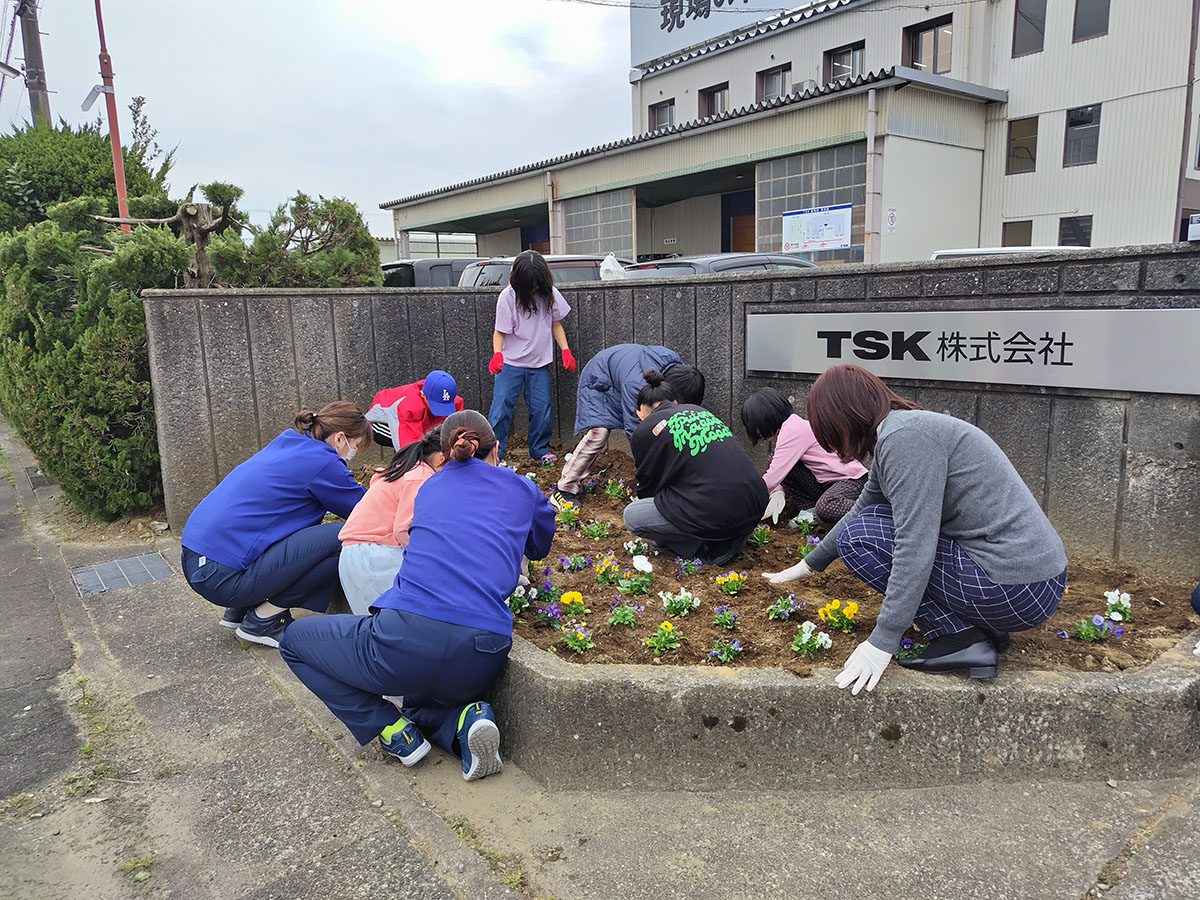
{"x": 352, "y": 662}
{"x": 536, "y": 385}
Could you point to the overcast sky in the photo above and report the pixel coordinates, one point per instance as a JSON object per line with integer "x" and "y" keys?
{"x": 366, "y": 99}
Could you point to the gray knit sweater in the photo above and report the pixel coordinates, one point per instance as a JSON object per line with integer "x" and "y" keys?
{"x": 944, "y": 476}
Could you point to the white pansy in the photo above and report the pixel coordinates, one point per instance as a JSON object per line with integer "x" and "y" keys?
{"x": 824, "y": 640}
{"x": 1115, "y": 616}
{"x": 642, "y": 564}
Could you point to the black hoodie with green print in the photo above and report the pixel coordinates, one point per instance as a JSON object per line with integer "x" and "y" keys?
{"x": 701, "y": 479}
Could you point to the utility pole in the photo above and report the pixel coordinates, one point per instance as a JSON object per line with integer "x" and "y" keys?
{"x": 35, "y": 69}
{"x": 114, "y": 132}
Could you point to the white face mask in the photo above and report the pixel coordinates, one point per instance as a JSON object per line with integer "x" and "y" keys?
{"x": 350, "y": 451}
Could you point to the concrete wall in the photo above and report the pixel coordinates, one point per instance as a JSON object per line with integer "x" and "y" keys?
{"x": 911, "y": 169}
{"x": 1118, "y": 472}
{"x": 501, "y": 243}
{"x": 695, "y": 224}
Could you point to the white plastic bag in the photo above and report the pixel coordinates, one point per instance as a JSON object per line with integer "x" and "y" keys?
{"x": 610, "y": 269}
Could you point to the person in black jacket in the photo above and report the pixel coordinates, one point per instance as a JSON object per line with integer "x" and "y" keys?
{"x": 701, "y": 496}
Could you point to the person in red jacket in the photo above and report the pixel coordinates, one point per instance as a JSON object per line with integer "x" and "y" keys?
{"x": 401, "y": 415}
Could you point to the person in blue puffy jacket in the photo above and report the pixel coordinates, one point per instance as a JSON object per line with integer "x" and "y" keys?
{"x": 256, "y": 545}
{"x": 607, "y": 399}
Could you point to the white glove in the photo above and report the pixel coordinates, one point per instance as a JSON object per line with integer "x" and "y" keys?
{"x": 795, "y": 573}
{"x": 863, "y": 668}
{"x": 775, "y": 507}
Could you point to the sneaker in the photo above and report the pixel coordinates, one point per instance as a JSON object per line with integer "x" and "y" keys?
{"x": 234, "y": 615}
{"x": 405, "y": 742}
{"x": 479, "y": 742}
{"x": 263, "y": 631}
{"x": 560, "y": 497}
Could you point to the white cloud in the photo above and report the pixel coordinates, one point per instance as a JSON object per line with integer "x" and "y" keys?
{"x": 365, "y": 99}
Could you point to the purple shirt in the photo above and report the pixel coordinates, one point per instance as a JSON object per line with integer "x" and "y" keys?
{"x": 528, "y": 341}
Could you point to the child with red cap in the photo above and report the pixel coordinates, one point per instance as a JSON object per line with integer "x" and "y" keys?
{"x": 401, "y": 415}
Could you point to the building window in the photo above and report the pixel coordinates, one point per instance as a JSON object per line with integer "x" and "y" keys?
{"x": 1075, "y": 231}
{"x": 775, "y": 82}
{"x": 1091, "y": 19}
{"x": 1017, "y": 234}
{"x": 929, "y": 46}
{"x": 1022, "y": 145}
{"x": 714, "y": 100}
{"x": 1029, "y": 27}
{"x": 845, "y": 62}
{"x": 662, "y": 115}
{"x": 1083, "y": 136}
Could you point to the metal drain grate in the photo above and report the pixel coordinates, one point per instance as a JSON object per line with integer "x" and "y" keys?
{"x": 37, "y": 478}
{"x": 120, "y": 573}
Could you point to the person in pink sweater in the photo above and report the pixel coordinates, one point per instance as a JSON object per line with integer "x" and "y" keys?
{"x": 800, "y": 470}
{"x": 376, "y": 533}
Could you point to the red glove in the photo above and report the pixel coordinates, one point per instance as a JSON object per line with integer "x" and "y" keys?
{"x": 568, "y": 359}
{"x": 496, "y": 364}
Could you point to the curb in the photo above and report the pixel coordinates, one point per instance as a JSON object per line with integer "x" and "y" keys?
{"x": 672, "y": 727}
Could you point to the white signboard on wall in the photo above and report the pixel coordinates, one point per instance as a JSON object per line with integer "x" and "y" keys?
{"x": 1109, "y": 349}
{"x": 821, "y": 228}
{"x": 659, "y": 28}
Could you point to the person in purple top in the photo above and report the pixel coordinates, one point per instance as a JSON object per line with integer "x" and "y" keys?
{"x": 440, "y": 635}
{"x": 256, "y": 545}
{"x": 529, "y": 314}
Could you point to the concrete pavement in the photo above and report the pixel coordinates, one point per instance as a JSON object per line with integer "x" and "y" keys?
{"x": 218, "y": 775}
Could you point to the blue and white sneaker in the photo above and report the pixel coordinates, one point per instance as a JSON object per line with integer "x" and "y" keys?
{"x": 264, "y": 631}
{"x": 404, "y": 741}
{"x": 234, "y": 615}
{"x": 479, "y": 741}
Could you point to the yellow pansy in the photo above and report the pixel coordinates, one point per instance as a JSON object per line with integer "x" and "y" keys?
{"x": 667, "y": 626}
{"x": 835, "y": 604}
{"x": 572, "y": 597}
{"x": 824, "y": 615}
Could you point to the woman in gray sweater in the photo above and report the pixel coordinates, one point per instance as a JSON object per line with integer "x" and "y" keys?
{"x": 945, "y": 529}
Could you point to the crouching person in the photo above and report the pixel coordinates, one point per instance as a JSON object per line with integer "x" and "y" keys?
{"x": 441, "y": 635}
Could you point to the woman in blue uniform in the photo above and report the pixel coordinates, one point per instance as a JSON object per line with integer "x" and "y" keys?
{"x": 441, "y": 635}
{"x": 255, "y": 545}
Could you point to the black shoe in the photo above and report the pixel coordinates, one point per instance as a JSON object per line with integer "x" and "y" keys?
{"x": 560, "y": 498}
{"x": 234, "y": 615}
{"x": 1000, "y": 639}
{"x": 970, "y": 650}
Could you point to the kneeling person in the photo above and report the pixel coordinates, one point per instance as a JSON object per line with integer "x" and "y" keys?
{"x": 700, "y": 493}
{"x": 441, "y": 635}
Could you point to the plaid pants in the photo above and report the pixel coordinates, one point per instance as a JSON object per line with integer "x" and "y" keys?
{"x": 959, "y": 594}
{"x": 830, "y": 500}
{"x": 578, "y": 468}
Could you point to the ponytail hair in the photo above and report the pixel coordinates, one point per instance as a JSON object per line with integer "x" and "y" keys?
{"x": 466, "y": 434}
{"x": 340, "y": 415}
{"x": 656, "y": 390}
{"x": 412, "y": 455}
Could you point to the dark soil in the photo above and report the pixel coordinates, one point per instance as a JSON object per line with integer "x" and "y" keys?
{"x": 1161, "y": 606}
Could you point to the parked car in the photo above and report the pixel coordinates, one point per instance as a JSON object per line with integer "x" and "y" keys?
{"x": 717, "y": 263}
{"x": 565, "y": 268}
{"x": 443, "y": 272}
{"x": 967, "y": 252}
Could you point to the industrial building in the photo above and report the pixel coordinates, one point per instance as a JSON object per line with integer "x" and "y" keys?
{"x": 867, "y": 130}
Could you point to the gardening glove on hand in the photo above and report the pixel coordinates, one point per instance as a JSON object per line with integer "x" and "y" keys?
{"x": 863, "y": 668}
{"x": 775, "y": 507}
{"x": 568, "y": 359}
{"x": 496, "y": 364}
{"x": 795, "y": 573}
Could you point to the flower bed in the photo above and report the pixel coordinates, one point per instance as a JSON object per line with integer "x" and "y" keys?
{"x": 766, "y": 619}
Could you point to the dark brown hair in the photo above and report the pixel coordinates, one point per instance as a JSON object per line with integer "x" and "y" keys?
{"x": 340, "y": 415}
{"x": 467, "y": 434}
{"x": 845, "y": 407}
{"x": 532, "y": 282}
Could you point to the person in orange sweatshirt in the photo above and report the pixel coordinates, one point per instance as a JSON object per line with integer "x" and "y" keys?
{"x": 376, "y": 532}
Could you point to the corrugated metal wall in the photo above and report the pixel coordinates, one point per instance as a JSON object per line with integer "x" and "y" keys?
{"x": 694, "y": 225}
{"x": 519, "y": 192}
{"x": 804, "y": 48}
